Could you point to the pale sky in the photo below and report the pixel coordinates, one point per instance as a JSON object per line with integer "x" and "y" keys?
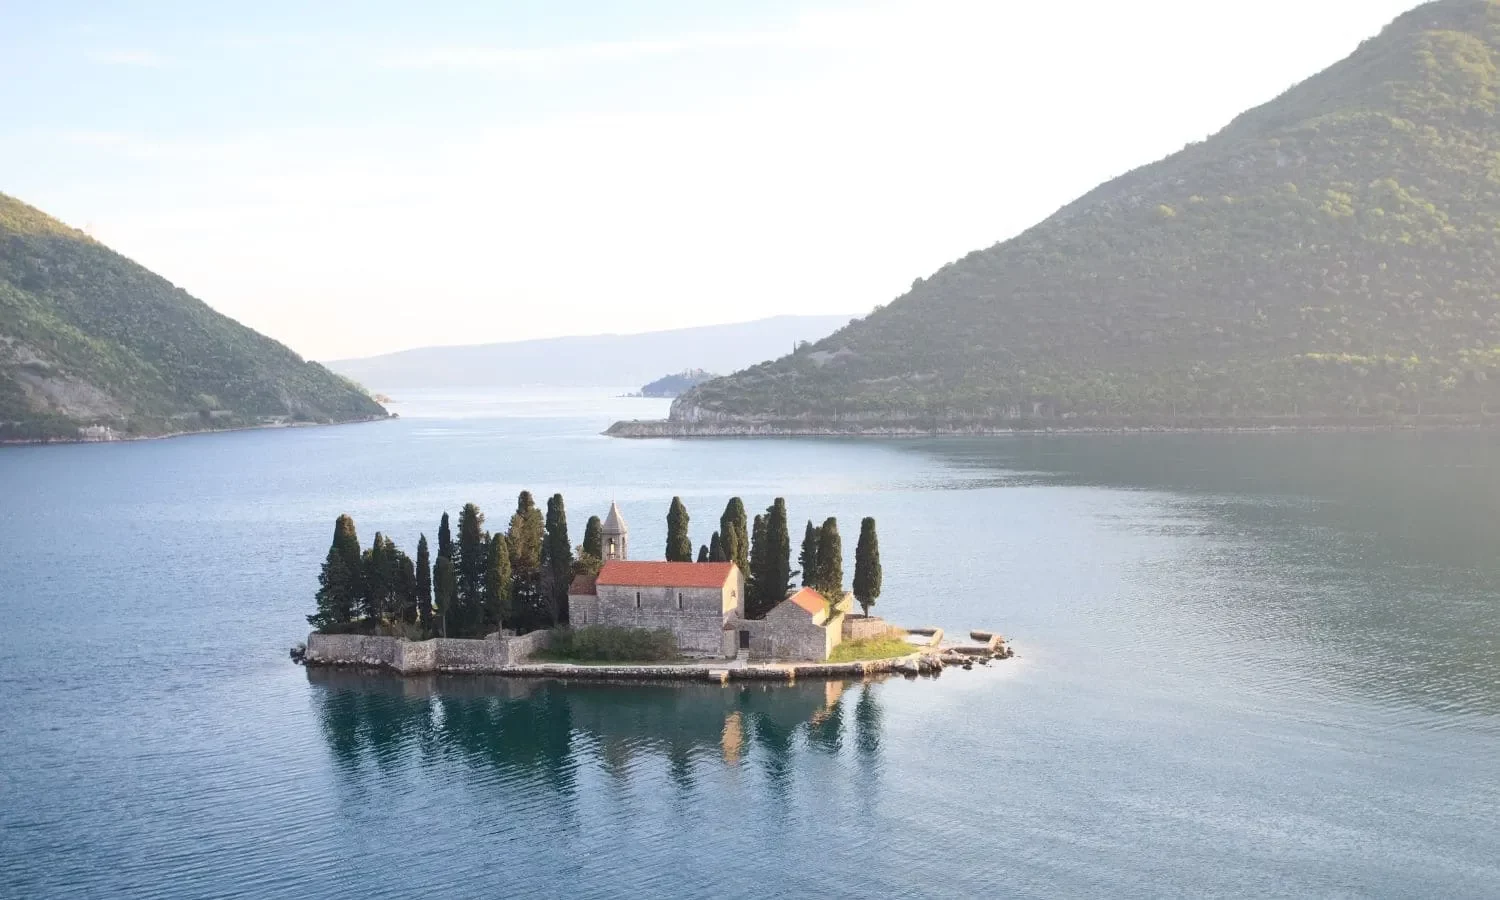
{"x": 364, "y": 177}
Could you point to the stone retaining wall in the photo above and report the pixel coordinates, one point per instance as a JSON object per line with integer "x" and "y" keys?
{"x": 860, "y": 628}
{"x": 417, "y": 657}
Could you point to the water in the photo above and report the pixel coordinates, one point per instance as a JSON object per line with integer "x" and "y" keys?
{"x": 1250, "y": 665}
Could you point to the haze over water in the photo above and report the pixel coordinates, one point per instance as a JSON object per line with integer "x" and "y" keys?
{"x": 1250, "y": 664}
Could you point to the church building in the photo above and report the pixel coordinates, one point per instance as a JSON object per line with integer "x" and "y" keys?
{"x": 691, "y": 600}
{"x": 702, "y": 604}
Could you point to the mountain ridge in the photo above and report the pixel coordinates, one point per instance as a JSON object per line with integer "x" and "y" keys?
{"x": 589, "y": 360}
{"x": 95, "y": 346}
{"x": 1329, "y": 255}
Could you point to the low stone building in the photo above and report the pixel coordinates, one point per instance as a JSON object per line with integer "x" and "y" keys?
{"x": 801, "y": 627}
{"x": 691, "y": 600}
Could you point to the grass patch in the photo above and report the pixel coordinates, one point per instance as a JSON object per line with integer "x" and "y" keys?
{"x": 887, "y": 647}
{"x": 611, "y": 644}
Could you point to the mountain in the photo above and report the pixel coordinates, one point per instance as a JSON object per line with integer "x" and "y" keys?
{"x": 90, "y": 340}
{"x": 1331, "y": 256}
{"x": 604, "y": 360}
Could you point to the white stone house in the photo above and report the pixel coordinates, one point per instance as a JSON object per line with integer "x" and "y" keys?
{"x": 801, "y": 627}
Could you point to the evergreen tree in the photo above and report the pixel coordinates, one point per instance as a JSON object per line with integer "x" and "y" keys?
{"x": 378, "y": 565}
{"x": 830, "y": 580}
{"x": 679, "y": 542}
{"x": 735, "y": 533}
{"x": 867, "y": 574}
{"x": 779, "y": 550}
{"x": 445, "y": 539}
{"x": 423, "y": 574}
{"x": 593, "y": 539}
{"x": 716, "y": 549}
{"x": 703, "y": 554}
{"x": 808, "y": 558}
{"x": 406, "y": 588}
{"x": 445, "y": 589}
{"x": 755, "y": 589}
{"x": 526, "y": 534}
{"x": 338, "y": 582}
{"x": 471, "y": 557}
{"x": 557, "y": 559}
{"x": 497, "y": 583}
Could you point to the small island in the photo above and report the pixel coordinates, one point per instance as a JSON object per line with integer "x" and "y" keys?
{"x": 526, "y": 602}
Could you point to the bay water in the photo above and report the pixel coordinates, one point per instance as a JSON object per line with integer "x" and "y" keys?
{"x": 1248, "y": 665}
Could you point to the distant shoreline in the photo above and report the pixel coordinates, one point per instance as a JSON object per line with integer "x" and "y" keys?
{"x": 200, "y": 431}
{"x": 666, "y": 429}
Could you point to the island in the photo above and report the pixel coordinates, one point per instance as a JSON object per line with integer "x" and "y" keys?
{"x": 526, "y": 602}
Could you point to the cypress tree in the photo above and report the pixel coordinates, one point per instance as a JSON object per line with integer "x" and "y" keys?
{"x": 378, "y": 570}
{"x": 703, "y": 553}
{"x": 445, "y": 539}
{"x": 338, "y": 582}
{"x": 808, "y": 558}
{"x": 424, "y": 585}
{"x": 593, "y": 538}
{"x": 755, "y": 591}
{"x": 445, "y": 588}
{"x": 471, "y": 557}
{"x": 867, "y": 574}
{"x": 406, "y": 588}
{"x": 679, "y": 543}
{"x": 830, "y": 581}
{"x": 526, "y": 534}
{"x": 734, "y": 532}
{"x": 557, "y": 559}
{"x": 497, "y": 586}
{"x": 716, "y": 549}
{"x": 779, "y": 547}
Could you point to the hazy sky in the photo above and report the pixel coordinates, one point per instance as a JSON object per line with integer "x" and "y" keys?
{"x": 369, "y": 176}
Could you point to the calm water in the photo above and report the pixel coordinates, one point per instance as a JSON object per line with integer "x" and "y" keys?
{"x": 1251, "y": 665}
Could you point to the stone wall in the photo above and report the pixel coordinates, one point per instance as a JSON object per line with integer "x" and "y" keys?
{"x": 791, "y": 638}
{"x": 416, "y": 657}
{"x": 860, "y": 628}
{"x": 694, "y": 615}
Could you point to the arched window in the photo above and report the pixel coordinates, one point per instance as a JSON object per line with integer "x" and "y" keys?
{"x": 679, "y": 599}
{"x": 637, "y": 599}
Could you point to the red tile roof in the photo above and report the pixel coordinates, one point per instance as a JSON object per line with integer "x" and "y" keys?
{"x": 665, "y": 574}
{"x": 582, "y": 585}
{"x": 810, "y": 600}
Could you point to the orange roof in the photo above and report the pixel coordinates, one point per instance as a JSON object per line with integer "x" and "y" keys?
{"x": 810, "y": 600}
{"x": 665, "y": 574}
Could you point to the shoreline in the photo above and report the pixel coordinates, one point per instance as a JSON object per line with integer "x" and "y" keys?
{"x": 666, "y": 429}
{"x": 40, "y": 442}
{"x": 920, "y": 662}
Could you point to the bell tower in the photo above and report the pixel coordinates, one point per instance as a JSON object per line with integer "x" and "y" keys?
{"x": 614, "y": 535}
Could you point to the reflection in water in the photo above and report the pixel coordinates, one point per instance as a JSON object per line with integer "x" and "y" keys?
{"x": 1364, "y": 560}
{"x": 543, "y": 732}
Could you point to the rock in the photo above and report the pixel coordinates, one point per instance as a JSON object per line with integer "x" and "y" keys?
{"x": 299, "y": 653}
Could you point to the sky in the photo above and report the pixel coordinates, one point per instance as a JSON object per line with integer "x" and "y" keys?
{"x": 354, "y": 178}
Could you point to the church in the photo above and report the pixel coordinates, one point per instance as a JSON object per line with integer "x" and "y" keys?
{"x": 702, "y": 604}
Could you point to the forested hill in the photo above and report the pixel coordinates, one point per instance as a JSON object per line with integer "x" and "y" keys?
{"x": 1332, "y": 255}
{"x": 89, "y": 338}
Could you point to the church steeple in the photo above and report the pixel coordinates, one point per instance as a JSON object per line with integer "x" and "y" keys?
{"x": 614, "y": 535}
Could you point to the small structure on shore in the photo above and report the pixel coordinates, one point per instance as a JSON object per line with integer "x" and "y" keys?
{"x": 804, "y": 626}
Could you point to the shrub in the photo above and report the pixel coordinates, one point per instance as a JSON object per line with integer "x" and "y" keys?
{"x": 608, "y": 643}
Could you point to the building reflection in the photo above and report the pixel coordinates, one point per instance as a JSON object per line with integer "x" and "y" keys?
{"x": 545, "y": 730}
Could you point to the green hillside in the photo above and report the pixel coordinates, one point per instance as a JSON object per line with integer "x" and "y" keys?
{"x": 88, "y": 337}
{"x": 1333, "y": 255}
